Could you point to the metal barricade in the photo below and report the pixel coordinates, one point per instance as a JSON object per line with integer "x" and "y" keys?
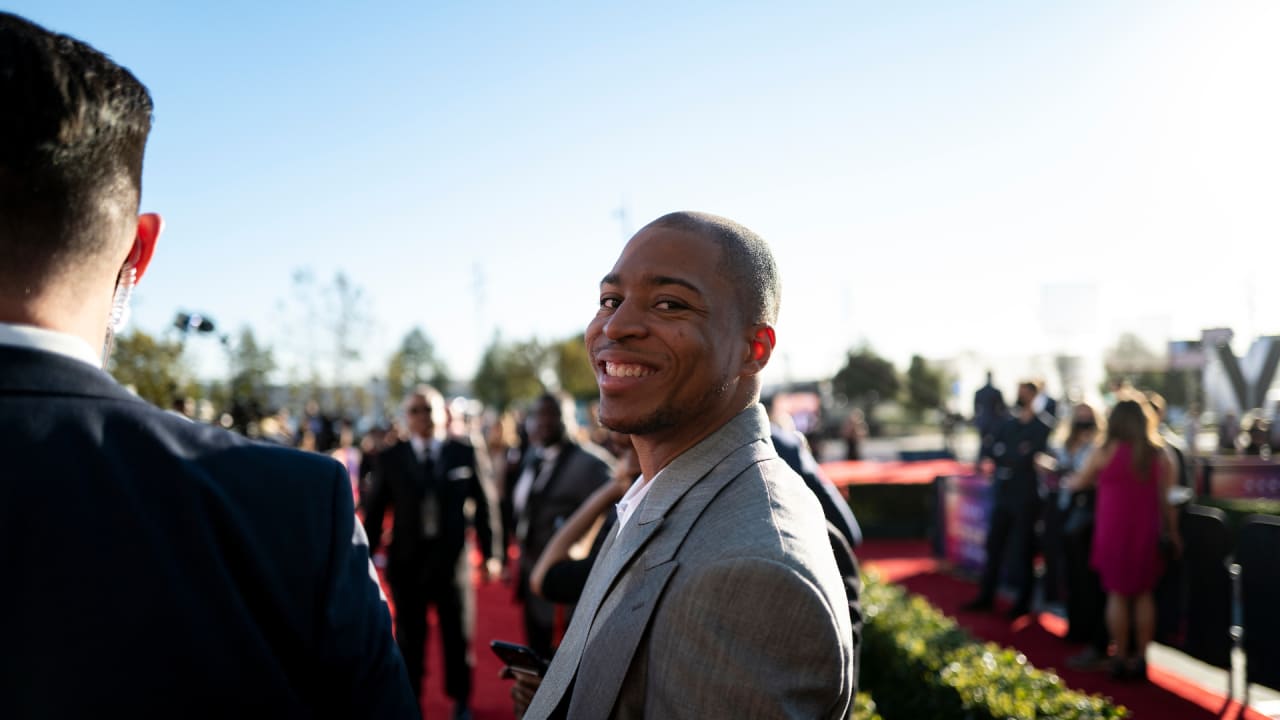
{"x": 1258, "y": 555}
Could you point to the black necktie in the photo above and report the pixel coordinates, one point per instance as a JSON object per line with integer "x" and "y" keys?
{"x": 430, "y": 504}
{"x": 522, "y": 522}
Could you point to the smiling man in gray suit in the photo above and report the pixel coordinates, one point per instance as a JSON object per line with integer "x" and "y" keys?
{"x": 718, "y": 595}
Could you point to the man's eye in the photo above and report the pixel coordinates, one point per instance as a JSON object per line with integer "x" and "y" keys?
{"x": 609, "y": 303}
{"x": 670, "y": 305}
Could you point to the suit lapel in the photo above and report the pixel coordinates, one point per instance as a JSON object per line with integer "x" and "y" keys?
{"x": 701, "y": 472}
{"x": 546, "y": 479}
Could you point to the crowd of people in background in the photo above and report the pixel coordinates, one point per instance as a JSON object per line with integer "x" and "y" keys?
{"x": 1061, "y": 492}
{"x": 547, "y": 479}
{"x": 1093, "y": 491}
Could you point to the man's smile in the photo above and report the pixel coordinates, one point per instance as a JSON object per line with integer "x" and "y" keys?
{"x": 629, "y": 370}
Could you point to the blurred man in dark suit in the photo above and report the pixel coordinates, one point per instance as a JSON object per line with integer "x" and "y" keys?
{"x": 153, "y": 567}
{"x": 989, "y": 411}
{"x": 558, "y": 476}
{"x": 428, "y": 479}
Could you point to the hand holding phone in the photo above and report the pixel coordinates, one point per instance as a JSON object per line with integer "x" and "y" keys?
{"x": 519, "y": 658}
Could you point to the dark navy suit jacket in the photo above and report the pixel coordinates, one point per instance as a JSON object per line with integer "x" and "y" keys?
{"x": 455, "y": 480}
{"x": 153, "y": 567}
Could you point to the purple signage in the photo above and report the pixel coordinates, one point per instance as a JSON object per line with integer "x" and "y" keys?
{"x": 966, "y": 511}
{"x": 1243, "y": 477}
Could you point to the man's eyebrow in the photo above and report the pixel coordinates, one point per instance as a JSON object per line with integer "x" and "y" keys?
{"x": 615, "y": 279}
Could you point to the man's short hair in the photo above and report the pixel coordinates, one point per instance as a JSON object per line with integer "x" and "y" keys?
{"x": 72, "y": 133}
{"x": 426, "y": 392}
{"x": 745, "y": 259}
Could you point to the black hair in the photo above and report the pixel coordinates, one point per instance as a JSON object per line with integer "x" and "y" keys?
{"x": 744, "y": 257}
{"x": 72, "y": 133}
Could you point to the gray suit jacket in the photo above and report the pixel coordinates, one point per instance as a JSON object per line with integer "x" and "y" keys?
{"x": 719, "y": 598}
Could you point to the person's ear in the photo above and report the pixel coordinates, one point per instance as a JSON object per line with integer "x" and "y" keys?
{"x": 150, "y": 225}
{"x": 761, "y": 349}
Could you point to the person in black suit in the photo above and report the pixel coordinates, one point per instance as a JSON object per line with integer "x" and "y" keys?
{"x": 428, "y": 479}
{"x": 557, "y": 477}
{"x": 153, "y": 567}
{"x": 1015, "y": 503}
{"x": 989, "y": 411}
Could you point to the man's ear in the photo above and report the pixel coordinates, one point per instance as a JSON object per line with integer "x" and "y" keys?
{"x": 150, "y": 225}
{"x": 760, "y": 349}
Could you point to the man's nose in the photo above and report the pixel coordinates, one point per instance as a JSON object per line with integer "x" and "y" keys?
{"x": 627, "y": 320}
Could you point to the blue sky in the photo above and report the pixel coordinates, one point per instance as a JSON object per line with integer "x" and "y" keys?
{"x": 940, "y": 178}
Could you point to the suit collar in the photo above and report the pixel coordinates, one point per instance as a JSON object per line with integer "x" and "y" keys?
{"x": 38, "y": 338}
{"x": 37, "y": 371}
{"x": 558, "y": 456}
{"x": 673, "y": 481}
{"x": 693, "y": 479}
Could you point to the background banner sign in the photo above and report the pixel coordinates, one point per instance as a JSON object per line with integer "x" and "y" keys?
{"x": 1243, "y": 478}
{"x": 966, "y": 511}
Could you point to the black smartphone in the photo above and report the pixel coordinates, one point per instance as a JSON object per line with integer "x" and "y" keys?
{"x": 519, "y": 658}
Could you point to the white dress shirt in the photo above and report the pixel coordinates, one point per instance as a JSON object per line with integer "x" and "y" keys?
{"x": 422, "y": 446}
{"x": 29, "y": 336}
{"x": 630, "y": 502}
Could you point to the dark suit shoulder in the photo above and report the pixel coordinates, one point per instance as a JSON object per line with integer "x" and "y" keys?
{"x": 456, "y": 448}
{"x": 590, "y": 453}
{"x": 232, "y": 460}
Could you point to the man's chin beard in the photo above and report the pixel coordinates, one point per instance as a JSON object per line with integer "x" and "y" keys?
{"x": 659, "y": 420}
{"x": 666, "y": 417}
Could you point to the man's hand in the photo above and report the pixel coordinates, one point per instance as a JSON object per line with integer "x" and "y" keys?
{"x": 522, "y": 691}
{"x": 492, "y": 569}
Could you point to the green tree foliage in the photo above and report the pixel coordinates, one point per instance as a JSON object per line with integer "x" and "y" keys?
{"x": 345, "y": 308}
{"x": 249, "y": 382}
{"x": 512, "y": 373}
{"x": 413, "y": 363}
{"x": 924, "y": 386}
{"x": 866, "y": 378}
{"x": 323, "y": 327}
{"x": 573, "y": 368}
{"x": 152, "y": 367}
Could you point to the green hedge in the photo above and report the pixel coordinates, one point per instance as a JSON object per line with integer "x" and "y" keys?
{"x": 917, "y": 663}
{"x": 864, "y": 708}
{"x": 1239, "y": 509}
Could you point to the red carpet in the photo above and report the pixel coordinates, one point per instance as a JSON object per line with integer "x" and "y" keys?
{"x": 908, "y": 562}
{"x": 1040, "y": 638}
{"x": 497, "y": 618}
{"x": 895, "y": 472}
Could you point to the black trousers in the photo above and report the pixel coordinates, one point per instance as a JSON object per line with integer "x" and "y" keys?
{"x": 449, "y": 590}
{"x": 1012, "y": 531}
{"x": 1052, "y": 547}
{"x": 1086, "y": 600}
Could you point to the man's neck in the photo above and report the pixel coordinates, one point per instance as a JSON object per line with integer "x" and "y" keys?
{"x": 85, "y": 323}
{"x": 655, "y": 451}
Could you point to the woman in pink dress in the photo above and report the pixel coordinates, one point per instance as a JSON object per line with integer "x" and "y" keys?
{"x": 1132, "y": 473}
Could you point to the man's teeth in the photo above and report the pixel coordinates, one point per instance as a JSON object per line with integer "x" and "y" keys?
{"x": 620, "y": 370}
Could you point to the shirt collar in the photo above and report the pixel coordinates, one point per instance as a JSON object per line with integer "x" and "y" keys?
{"x": 627, "y": 506}
{"x": 34, "y": 338}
